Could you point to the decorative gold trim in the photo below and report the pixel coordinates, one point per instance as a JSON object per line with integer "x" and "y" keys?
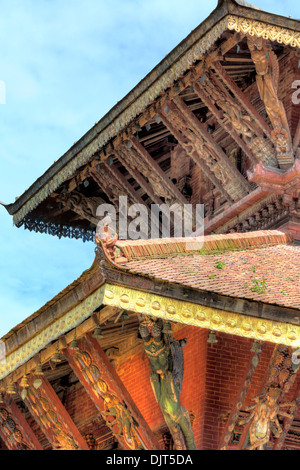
{"x": 157, "y": 306}
{"x": 264, "y": 30}
{"x": 205, "y": 317}
{"x": 65, "y": 323}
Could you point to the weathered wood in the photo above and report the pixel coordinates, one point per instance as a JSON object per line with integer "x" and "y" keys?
{"x": 125, "y": 160}
{"x": 241, "y": 97}
{"x": 196, "y": 157}
{"x": 241, "y": 395}
{"x": 174, "y": 193}
{"x": 213, "y": 146}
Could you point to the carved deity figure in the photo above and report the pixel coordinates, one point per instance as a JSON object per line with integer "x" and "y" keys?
{"x": 166, "y": 361}
{"x": 267, "y": 77}
{"x": 264, "y": 418}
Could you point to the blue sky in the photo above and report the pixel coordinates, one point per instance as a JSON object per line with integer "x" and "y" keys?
{"x": 65, "y": 63}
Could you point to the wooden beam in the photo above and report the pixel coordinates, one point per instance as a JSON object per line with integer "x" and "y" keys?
{"x": 241, "y": 395}
{"x": 52, "y": 417}
{"x": 242, "y": 99}
{"x": 279, "y": 379}
{"x": 287, "y": 422}
{"x": 192, "y": 145}
{"x": 200, "y": 128}
{"x": 124, "y": 156}
{"x": 205, "y": 98}
{"x": 14, "y": 429}
{"x": 173, "y": 194}
{"x": 83, "y": 206}
{"x": 110, "y": 396}
{"x": 129, "y": 190}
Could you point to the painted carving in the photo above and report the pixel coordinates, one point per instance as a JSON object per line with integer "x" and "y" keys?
{"x": 264, "y": 418}
{"x": 13, "y": 435}
{"x": 116, "y": 414}
{"x": 49, "y": 420}
{"x": 240, "y": 121}
{"x": 267, "y": 69}
{"x": 166, "y": 361}
{"x": 110, "y": 185}
{"x": 261, "y": 217}
{"x": 268, "y": 406}
{"x": 137, "y": 162}
{"x": 106, "y": 243}
{"x": 81, "y": 205}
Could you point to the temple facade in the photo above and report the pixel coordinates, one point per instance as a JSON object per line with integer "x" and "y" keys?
{"x": 174, "y": 342}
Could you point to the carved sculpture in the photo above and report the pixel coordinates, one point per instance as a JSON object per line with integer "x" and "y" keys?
{"x": 264, "y": 418}
{"x": 81, "y": 205}
{"x": 113, "y": 407}
{"x": 50, "y": 421}
{"x": 267, "y": 69}
{"x": 107, "y": 240}
{"x": 13, "y": 434}
{"x": 136, "y": 161}
{"x": 266, "y": 410}
{"x": 240, "y": 121}
{"x": 166, "y": 361}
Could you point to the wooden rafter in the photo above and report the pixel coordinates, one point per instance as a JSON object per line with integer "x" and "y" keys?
{"x": 234, "y": 415}
{"x": 270, "y": 404}
{"x": 236, "y": 120}
{"x": 17, "y": 435}
{"x": 204, "y": 151}
{"x": 287, "y": 423}
{"x": 206, "y": 99}
{"x": 52, "y": 417}
{"x": 213, "y": 147}
{"x": 124, "y": 156}
{"x": 241, "y": 98}
{"x": 160, "y": 179}
{"x": 110, "y": 396}
{"x": 196, "y": 157}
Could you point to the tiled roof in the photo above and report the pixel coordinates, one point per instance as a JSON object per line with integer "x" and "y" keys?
{"x": 261, "y": 266}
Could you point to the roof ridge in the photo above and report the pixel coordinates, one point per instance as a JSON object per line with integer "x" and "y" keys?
{"x": 169, "y": 247}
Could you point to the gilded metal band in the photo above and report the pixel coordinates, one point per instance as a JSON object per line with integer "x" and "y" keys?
{"x": 156, "y": 306}
{"x": 205, "y": 317}
{"x": 65, "y": 323}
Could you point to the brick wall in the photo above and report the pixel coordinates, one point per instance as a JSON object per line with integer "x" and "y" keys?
{"x": 81, "y": 409}
{"x": 226, "y": 367}
{"x": 134, "y": 374}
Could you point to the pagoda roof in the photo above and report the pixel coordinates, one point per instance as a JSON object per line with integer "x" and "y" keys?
{"x": 262, "y": 265}
{"x": 229, "y": 15}
{"x": 251, "y": 277}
